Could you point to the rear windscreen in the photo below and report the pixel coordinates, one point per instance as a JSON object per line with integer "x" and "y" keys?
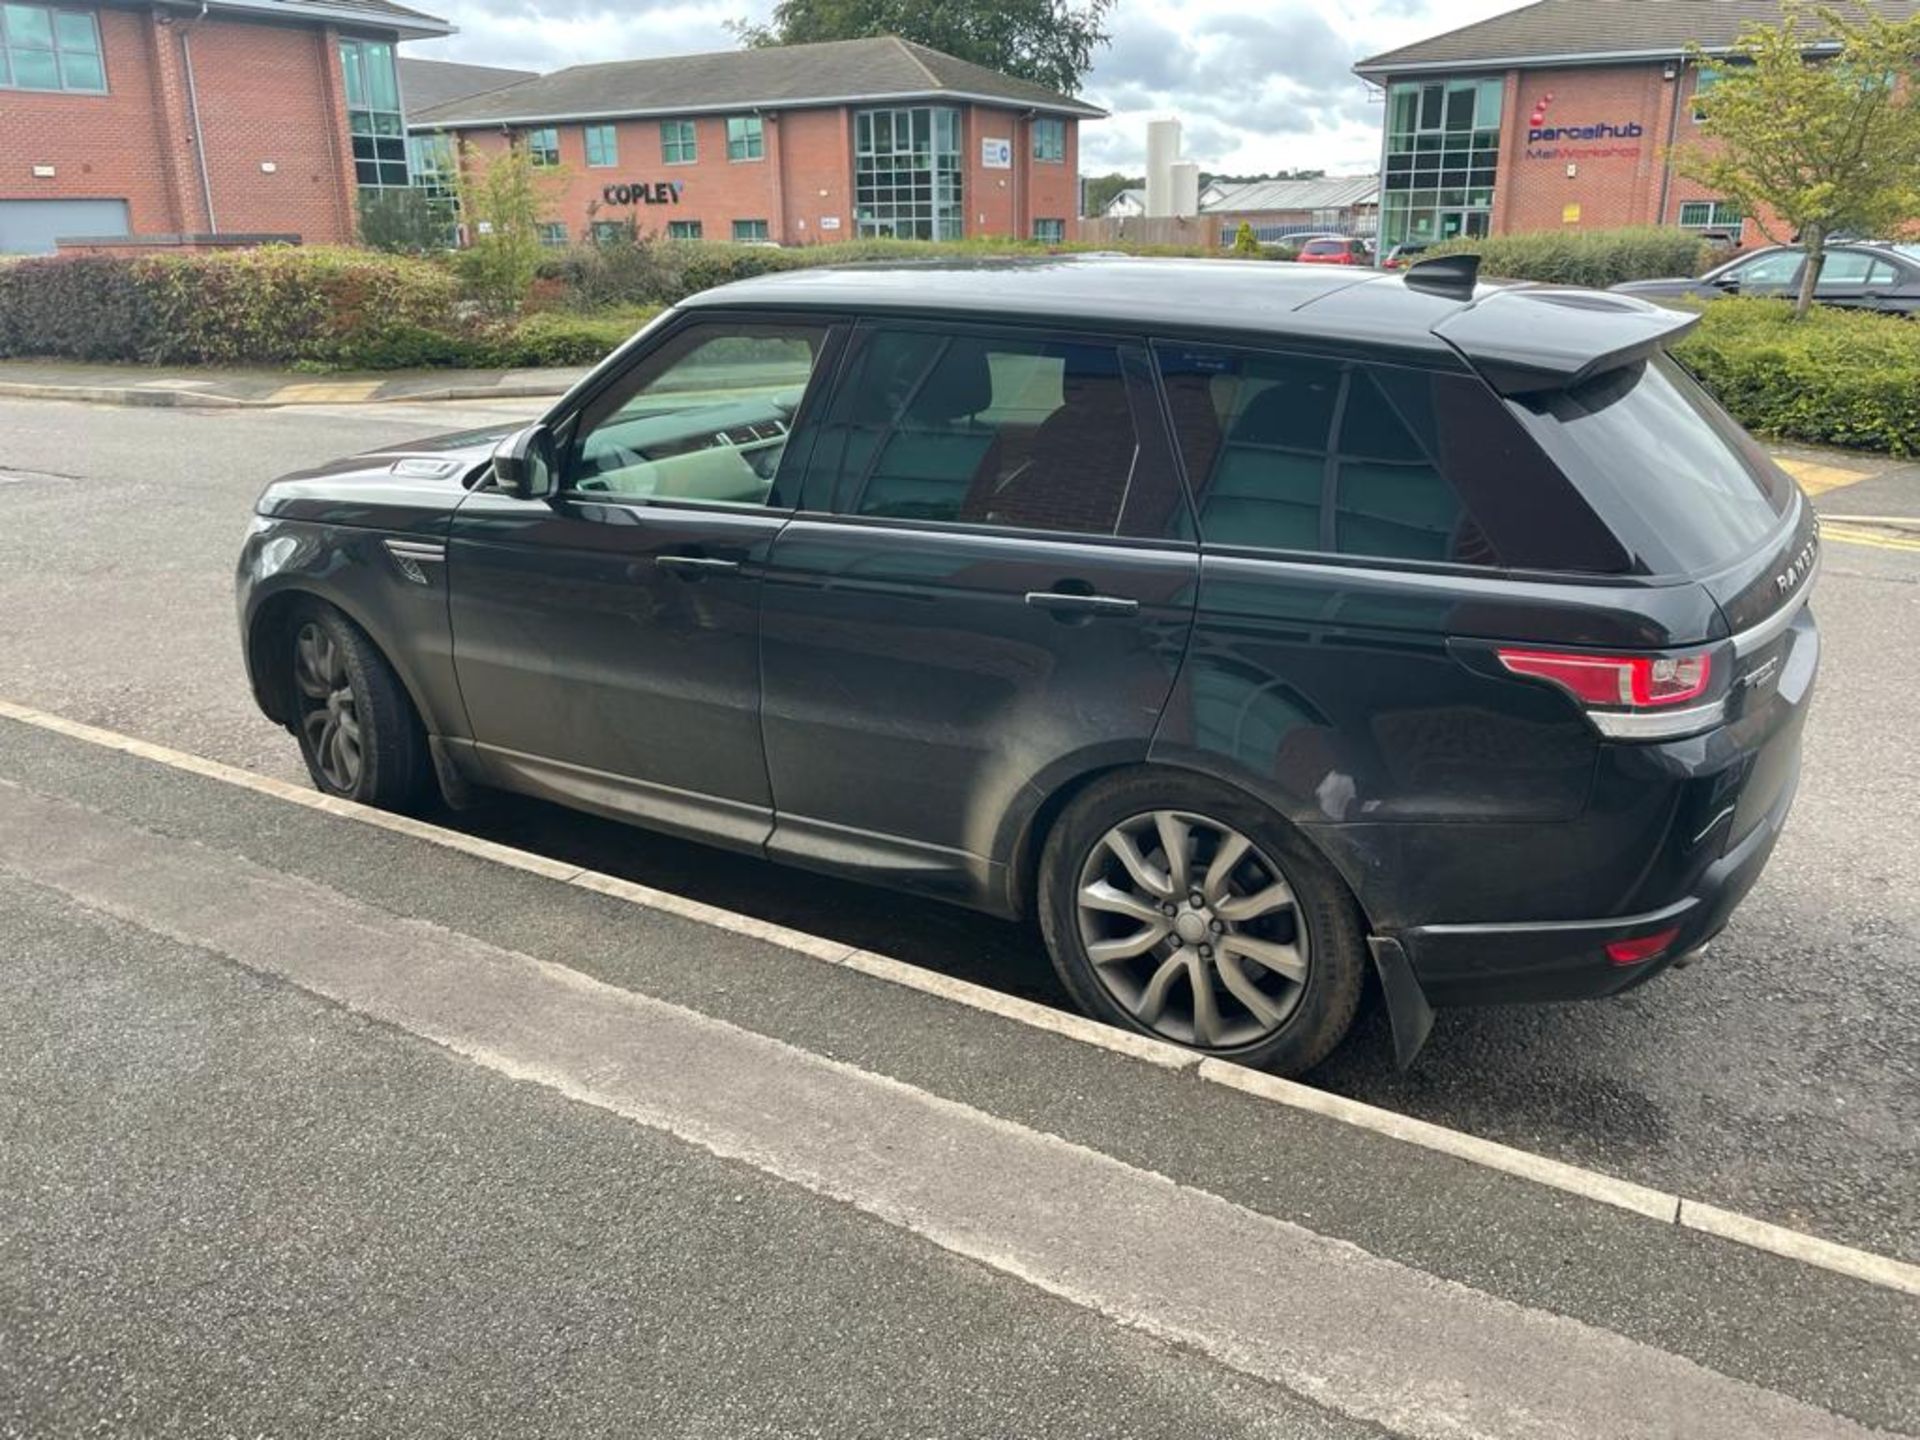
{"x": 1666, "y": 465}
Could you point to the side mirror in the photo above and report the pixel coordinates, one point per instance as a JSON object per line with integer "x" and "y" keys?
{"x": 523, "y": 463}
{"x": 1728, "y": 283}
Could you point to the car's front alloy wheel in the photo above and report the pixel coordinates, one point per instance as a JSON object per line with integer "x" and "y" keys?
{"x": 358, "y": 730}
{"x": 329, "y": 710}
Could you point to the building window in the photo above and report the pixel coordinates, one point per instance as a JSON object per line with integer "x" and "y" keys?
{"x": 1443, "y": 149}
{"x": 43, "y": 49}
{"x": 1710, "y": 215}
{"x": 683, "y": 229}
{"x": 677, "y": 145}
{"x": 543, "y": 145}
{"x": 1705, "y": 77}
{"x": 602, "y": 148}
{"x": 1050, "y": 141}
{"x": 373, "y": 114}
{"x": 745, "y": 138}
{"x": 748, "y": 232}
{"x": 553, "y": 234}
{"x": 1050, "y": 232}
{"x": 907, "y": 174}
{"x": 614, "y": 232}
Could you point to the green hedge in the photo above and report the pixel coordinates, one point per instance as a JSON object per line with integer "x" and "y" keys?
{"x": 267, "y": 306}
{"x": 1585, "y": 257}
{"x": 1836, "y": 377}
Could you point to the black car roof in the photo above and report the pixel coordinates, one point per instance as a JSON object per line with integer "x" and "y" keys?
{"x": 1545, "y": 330}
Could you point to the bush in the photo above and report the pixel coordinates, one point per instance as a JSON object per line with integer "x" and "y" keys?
{"x": 404, "y": 222}
{"x": 1834, "y": 377}
{"x": 559, "y": 338}
{"x": 1244, "y": 243}
{"x": 1584, "y": 257}
{"x": 270, "y": 306}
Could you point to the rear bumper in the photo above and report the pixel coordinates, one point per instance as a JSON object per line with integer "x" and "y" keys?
{"x": 1567, "y": 960}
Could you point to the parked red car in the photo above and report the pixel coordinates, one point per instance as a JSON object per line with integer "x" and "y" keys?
{"x": 1335, "y": 250}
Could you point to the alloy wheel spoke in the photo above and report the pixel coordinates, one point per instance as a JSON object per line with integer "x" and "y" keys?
{"x": 1102, "y": 895}
{"x": 1176, "y": 838}
{"x": 1233, "y": 849}
{"x": 307, "y": 673}
{"x": 1135, "y": 864}
{"x": 1153, "y": 999}
{"x": 1240, "y": 985}
{"x": 1126, "y": 947}
{"x": 1285, "y": 959}
{"x": 1238, "y": 909}
{"x": 1206, "y": 1007}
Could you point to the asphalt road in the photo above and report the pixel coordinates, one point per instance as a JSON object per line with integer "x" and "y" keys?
{"x": 1780, "y": 1076}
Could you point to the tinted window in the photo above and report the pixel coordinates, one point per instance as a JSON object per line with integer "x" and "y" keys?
{"x": 981, "y": 430}
{"x": 1701, "y": 490}
{"x": 1289, "y": 453}
{"x": 702, "y": 420}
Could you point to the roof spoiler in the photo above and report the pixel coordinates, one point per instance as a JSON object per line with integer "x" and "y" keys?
{"x": 1531, "y": 338}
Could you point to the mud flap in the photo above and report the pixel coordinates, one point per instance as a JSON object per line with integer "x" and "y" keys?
{"x": 1407, "y": 1008}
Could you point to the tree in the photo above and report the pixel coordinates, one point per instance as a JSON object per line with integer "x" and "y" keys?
{"x": 1102, "y": 188}
{"x": 404, "y": 222}
{"x": 503, "y": 196}
{"x": 1828, "y": 142}
{"x": 1243, "y": 241}
{"x": 1050, "y": 42}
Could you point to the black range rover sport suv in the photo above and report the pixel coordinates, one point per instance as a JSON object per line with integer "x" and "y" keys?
{"x": 1246, "y": 625}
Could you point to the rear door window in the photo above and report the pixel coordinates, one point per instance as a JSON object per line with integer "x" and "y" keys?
{"x": 1684, "y": 480}
{"x": 1305, "y": 454}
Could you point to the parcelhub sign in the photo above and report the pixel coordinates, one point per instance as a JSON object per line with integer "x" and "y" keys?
{"x": 1553, "y": 138}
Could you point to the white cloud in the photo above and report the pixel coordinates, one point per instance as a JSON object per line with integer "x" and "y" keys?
{"x": 1257, "y": 88}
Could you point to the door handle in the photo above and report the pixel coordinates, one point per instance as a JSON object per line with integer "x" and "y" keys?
{"x": 1067, "y": 602}
{"x": 695, "y": 565}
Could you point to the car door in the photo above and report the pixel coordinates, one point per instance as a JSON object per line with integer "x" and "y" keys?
{"x": 606, "y": 638}
{"x": 1846, "y": 276}
{"x": 978, "y": 600}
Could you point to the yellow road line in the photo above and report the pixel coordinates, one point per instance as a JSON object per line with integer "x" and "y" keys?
{"x": 1816, "y": 478}
{"x": 1852, "y": 535}
{"x": 334, "y": 391}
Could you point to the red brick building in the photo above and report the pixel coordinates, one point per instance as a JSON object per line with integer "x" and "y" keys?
{"x": 794, "y": 145}
{"x": 210, "y": 122}
{"x": 1564, "y": 113}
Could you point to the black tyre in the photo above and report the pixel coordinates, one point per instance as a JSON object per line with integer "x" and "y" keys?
{"x": 357, "y": 728}
{"x": 1176, "y": 906}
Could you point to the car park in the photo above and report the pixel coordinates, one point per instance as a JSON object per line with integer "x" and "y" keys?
{"x": 1249, "y": 627}
{"x": 1856, "y": 275}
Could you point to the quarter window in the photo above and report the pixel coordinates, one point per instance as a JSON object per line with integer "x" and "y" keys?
{"x": 543, "y": 145}
{"x": 678, "y": 145}
{"x": 701, "y": 421}
{"x": 1050, "y": 141}
{"x": 746, "y": 139}
{"x": 45, "y": 49}
{"x": 1290, "y": 453}
{"x": 603, "y": 146}
{"x": 1022, "y": 433}
{"x": 373, "y": 114}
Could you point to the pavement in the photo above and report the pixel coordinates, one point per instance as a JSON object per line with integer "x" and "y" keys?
{"x": 317, "y": 1126}
{"x": 216, "y": 387}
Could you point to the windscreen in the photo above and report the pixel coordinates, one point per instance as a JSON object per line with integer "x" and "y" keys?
{"x": 1646, "y": 442}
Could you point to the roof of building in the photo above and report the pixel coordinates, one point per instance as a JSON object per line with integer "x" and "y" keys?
{"x": 368, "y": 14}
{"x": 425, "y": 84}
{"x": 1335, "y": 194}
{"x": 832, "y": 72}
{"x": 1133, "y": 194}
{"x": 1551, "y": 32}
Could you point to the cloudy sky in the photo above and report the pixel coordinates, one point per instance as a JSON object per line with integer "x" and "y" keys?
{"x": 1259, "y": 86}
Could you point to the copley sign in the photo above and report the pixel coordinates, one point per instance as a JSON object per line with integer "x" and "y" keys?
{"x": 661, "y": 192}
{"x": 1546, "y": 142}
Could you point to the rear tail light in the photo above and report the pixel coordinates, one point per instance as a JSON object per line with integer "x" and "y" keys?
{"x": 1628, "y": 696}
{"x": 1642, "y": 947}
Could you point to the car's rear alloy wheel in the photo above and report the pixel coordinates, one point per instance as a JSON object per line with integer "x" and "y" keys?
{"x": 1183, "y": 908}
{"x": 1193, "y": 929}
{"x": 329, "y": 710}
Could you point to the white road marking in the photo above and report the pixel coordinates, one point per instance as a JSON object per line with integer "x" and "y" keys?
{"x": 1353, "y": 1332}
{"x": 1592, "y": 1185}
